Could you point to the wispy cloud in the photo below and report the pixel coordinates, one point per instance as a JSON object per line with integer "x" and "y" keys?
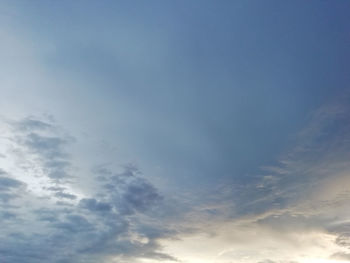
{"x": 294, "y": 211}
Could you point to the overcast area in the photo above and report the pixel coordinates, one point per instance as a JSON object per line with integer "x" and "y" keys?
{"x": 174, "y": 131}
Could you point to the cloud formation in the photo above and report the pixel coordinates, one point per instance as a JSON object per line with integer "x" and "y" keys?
{"x": 172, "y": 131}
{"x": 295, "y": 211}
{"x": 58, "y": 225}
{"x": 288, "y": 213}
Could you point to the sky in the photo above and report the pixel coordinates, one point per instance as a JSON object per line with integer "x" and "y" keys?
{"x": 195, "y": 131}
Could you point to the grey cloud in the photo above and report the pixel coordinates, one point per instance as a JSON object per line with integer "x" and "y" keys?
{"x": 94, "y": 205}
{"x": 9, "y": 187}
{"x": 130, "y": 192}
{"x": 160, "y": 256}
{"x": 288, "y": 222}
{"x": 341, "y": 256}
{"x": 64, "y": 204}
{"x": 155, "y": 232}
{"x": 5, "y": 215}
{"x": 102, "y": 172}
{"x": 50, "y": 146}
{"x": 57, "y": 164}
{"x": 93, "y": 229}
{"x": 344, "y": 238}
{"x": 124, "y": 192}
{"x": 56, "y": 188}
{"x": 46, "y": 142}
{"x": 89, "y": 232}
{"x": 7, "y": 183}
{"x": 321, "y": 152}
{"x": 65, "y": 195}
{"x": 36, "y": 248}
{"x": 267, "y": 261}
{"x": 74, "y": 223}
{"x": 6, "y": 197}
{"x": 48, "y": 215}
{"x": 140, "y": 195}
{"x": 32, "y": 124}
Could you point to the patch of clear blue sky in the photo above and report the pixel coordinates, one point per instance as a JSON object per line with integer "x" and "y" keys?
{"x": 213, "y": 88}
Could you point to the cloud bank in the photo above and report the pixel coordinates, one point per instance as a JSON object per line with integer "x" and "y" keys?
{"x": 47, "y": 219}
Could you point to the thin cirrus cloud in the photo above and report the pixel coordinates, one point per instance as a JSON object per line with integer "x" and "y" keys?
{"x": 297, "y": 211}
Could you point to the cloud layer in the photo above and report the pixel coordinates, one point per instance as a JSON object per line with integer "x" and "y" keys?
{"x": 59, "y": 223}
{"x": 294, "y": 211}
{"x": 189, "y": 131}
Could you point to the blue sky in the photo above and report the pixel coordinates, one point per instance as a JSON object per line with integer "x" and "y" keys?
{"x": 192, "y": 131}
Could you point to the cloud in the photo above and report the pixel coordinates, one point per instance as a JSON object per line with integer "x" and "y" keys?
{"x": 341, "y": 256}
{"x": 5, "y": 215}
{"x": 47, "y": 214}
{"x": 130, "y": 192}
{"x": 289, "y": 212}
{"x": 7, "y": 183}
{"x": 295, "y": 211}
{"x": 55, "y": 188}
{"x": 94, "y": 205}
{"x": 65, "y": 195}
{"x": 74, "y": 224}
{"x": 49, "y": 150}
{"x": 51, "y": 147}
{"x": 55, "y": 221}
{"x": 139, "y": 195}
{"x": 344, "y": 238}
{"x": 6, "y": 197}
{"x": 45, "y": 142}
{"x": 10, "y": 188}
{"x": 32, "y": 124}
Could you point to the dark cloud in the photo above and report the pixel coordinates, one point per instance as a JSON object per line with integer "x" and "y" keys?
{"x": 94, "y": 205}
{"x": 32, "y": 124}
{"x": 155, "y": 232}
{"x": 130, "y": 192}
{"x": 9, "y": 187}
{"x": 89, "y": 230}
{"x": 65, "y": 195}
{"x": 7, "y": 183}
{"x": 48, "y": 215}
{"x": 55, "y": 188}
{"x": 5, "y": 215}
{"x": 51, "y": 147}
{"x": 6, "y": 197}
{"x": 140, "y": 195}
{"x": 74, "y": 223}
{"x": 47, "y": 143}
